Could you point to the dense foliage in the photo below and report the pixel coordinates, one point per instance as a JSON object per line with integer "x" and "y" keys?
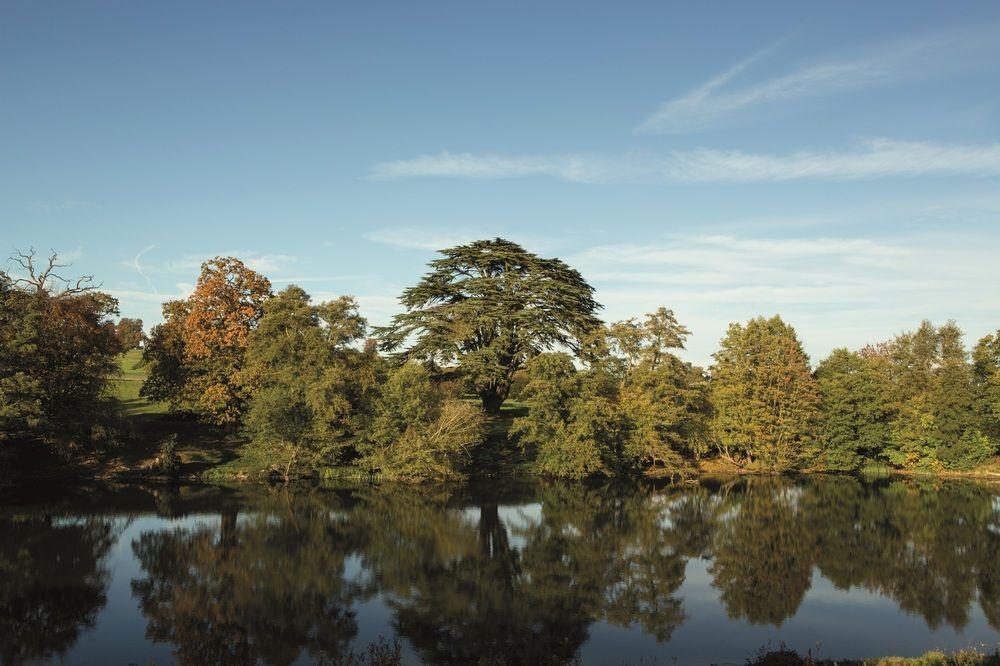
{"x": 58, "y": 351}
{"x": 309, "y": 391}
{"x": 489, "y": 307}
{"x": 196, "y": 355}
{"x": 634, "y": 407}
{"x": 420, "y": 431}
{"x": 855, "y": 405}
{"x": 986, "y": 369}
{"x": 308, "y": 386}
{"x": 765, "y": 398}
{"x": 937, "y": 423}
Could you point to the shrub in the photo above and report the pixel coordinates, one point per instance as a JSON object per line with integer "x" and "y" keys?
{"x": 419, "y": 432}
{"x": 167, "y": 461}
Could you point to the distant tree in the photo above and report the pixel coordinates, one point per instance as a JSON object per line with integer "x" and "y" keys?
{"x": 197, "y": 354}
{"x": 129, "y": 333}
{"x": 308, "y": 386}
{"x": 163, "y": 354}
{"x": 986, "y": 368}
{"x": 855, "y": 410}
{"x": 764, "y": 396}
{"x": 938, "y": 422}
{"x": 490, "y": 306}
{"x": 57, "y": 353}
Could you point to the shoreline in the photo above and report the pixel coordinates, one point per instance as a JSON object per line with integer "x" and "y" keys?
{"x": 222, "y": 464}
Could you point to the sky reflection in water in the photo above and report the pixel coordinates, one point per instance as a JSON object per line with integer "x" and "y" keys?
{"x": 533, "y": 574}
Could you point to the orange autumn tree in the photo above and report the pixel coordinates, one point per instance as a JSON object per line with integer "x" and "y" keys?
{"x": 226, "y": 305}
{"x": 196, "y": 356}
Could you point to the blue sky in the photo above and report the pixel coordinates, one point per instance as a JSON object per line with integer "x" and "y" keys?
{"x": 836, "y": 163}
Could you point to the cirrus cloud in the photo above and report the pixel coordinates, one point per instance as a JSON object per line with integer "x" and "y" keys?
{"x": 875, "y": 158}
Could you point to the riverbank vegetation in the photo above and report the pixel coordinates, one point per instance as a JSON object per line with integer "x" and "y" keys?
{"x": 498, "y": 361}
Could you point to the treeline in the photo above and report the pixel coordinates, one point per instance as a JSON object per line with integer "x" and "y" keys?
{"x": 312, "y": 386}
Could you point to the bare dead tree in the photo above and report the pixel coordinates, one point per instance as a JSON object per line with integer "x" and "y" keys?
{"x": 43, "y": 278}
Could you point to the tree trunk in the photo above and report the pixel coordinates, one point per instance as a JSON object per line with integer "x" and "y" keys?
{"x": 492, "y": 401}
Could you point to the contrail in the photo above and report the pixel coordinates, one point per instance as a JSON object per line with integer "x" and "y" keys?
{"x": 138, "y": 267}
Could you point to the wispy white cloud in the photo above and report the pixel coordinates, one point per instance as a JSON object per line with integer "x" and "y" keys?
{"x": 712, "y": 103}
{"x": 70, "y": 256}
{"x": 144, "y": 297}
{"x": 418, "y": 239}
{"x": 835, "y": 290}
{"x": 260, "y": 262}
{"x": 305, "y": 279}
{"x": 876, "y": 158}
{"x": 434, "y": 239}
{"x": 574, "y": 167}
{"x": 269, "y": 263}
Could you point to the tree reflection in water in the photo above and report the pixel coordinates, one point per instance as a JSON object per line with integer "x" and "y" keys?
{"x": 261, "y": 587}
{"x": 53, "y": 583}
{"x": 283, "y": 576}
{"x": 762, "y": 552}
{"x": 467, "y": 586}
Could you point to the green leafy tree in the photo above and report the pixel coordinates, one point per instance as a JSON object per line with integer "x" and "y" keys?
{"x": 129, "y": 333}
{"x": 570, "y": 418}
{"x": 309, "y": 386}
{"x": 855, "y": 410}
{"x": 986, "y": 366}
{"x": 664, "y": 398}
{"x": 764, "y": 396}
{"x": 938, "y": 422}
{"x": 163, "y": 356}
{"x": 57, "y": 353}
{"x": 636, "y": 408}
{"x": 490, "y": 306}
{"x": 419, "y": 432}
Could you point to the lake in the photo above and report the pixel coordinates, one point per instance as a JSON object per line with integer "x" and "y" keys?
{"x": 504, "y": 573}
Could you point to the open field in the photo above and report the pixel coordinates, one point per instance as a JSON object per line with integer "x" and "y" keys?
{"x": 128, "y": 383}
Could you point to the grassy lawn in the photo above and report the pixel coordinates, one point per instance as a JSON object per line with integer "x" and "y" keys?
{"x": 128, "y": 383}
{"x": 200, "y": 447}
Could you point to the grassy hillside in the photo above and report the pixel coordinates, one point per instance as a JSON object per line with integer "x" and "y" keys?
{"x": 127, "y": 385}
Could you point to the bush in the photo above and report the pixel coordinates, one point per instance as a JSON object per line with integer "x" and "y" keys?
{"x": 419, "y": 432}
{"x": 167, "y": 461}
{"x": 435, "y": 450}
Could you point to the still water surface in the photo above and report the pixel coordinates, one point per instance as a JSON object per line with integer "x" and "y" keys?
{"x": 535, "y": 574}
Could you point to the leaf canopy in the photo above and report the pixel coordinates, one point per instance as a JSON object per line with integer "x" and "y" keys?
{"x": 490, "y": 306}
